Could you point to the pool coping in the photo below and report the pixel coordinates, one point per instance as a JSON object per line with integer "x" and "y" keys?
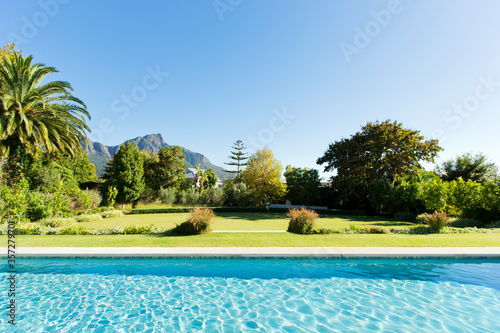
{"x": 262, "y": 252}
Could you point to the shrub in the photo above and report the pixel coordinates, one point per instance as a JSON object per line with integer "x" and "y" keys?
{"x": 375, "y": 230}
{"x": 77, "y": 230}
{"x": 302, "y": 221}
{"x": 493, "y": 225}
{"x": 214, "y": 196}
{"x": 405, "y": 216}
{"x": 167, "y": 195}
{"x": 111, "y": 213}
{"x": 88, "y": 218}
{"x": 436, "y": 221}
{"x": 40, "y": 212}
{"x": 56, "y": 222}
{"x": 198, "y": 223}
{"x": 192, "y": 196}
{"x": 95, "y": 197}
{"x": 137, "y": 229}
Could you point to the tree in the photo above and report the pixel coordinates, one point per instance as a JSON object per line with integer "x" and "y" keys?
{"x": 166, "y": 169}
{"x": 238, "y": 158}
{"x": 302, "y": 185}
{"x": 211, "y": 178}
{"x": 381, "y": 151}
{"x": 34, "y": 114}
{"x": 125, "y": 171}
{"x": 201, "y": 178}
{"x": 476, "y": 168}
{"x": 263, "y": 177}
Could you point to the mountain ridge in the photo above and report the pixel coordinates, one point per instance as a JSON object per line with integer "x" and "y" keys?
{"x": 99, "y": 153}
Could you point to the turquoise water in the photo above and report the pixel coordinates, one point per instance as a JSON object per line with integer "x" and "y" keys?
{"x": 255, "y": 295}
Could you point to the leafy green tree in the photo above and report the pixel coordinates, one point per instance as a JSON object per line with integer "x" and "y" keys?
{"x": 211, "y": 178}
{"x": 201, "y": 178}
{"x": 166, "y": 169}
{"x": 263, "y": 177}
{"x": 238, "y": 158}
{"x": 303, "y": 185}
{"x": 468, "y": 167}
{"x": 34, "y": 114}
{"x": 381, "y": 151}
{"x": 125, "y": 171}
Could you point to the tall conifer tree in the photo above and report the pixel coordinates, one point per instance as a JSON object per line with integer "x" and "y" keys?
{"x": 238, "y": 159}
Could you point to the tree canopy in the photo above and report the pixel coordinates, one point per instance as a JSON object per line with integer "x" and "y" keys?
{"x": 468, "y": 167}
{"x": 381, "y": 151}
{"x": 302, "y": 185}
{"x": 166, "y": 169}
{"x": 263, "y": 177}
{"x": 125, "y": 171}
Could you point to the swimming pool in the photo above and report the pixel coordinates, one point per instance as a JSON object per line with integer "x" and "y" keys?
{"x": 256, "y": 295}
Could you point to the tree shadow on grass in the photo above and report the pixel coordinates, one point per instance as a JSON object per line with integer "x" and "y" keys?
{"x": 252, "y": 216}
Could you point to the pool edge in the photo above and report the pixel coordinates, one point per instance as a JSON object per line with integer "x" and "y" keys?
{"x": 262, "y": 252}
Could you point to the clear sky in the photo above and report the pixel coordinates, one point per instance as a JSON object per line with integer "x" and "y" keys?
{"x": 294, "y": 75}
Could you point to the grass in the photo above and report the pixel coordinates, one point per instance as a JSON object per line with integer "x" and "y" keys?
{"x": 241, "y": 221}
{"x": 260, "y": 240}
{"x": 254, "y": 221}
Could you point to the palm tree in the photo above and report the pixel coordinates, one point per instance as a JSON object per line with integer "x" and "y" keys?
{"x": 34, "y": 114}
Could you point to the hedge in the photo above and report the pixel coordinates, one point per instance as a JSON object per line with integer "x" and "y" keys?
{"x": 242, "y": 210}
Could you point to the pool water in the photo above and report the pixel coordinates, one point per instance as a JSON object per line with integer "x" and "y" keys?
{"x": 255, "y": 295}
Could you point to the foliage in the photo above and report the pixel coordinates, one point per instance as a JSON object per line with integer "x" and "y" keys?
{"x": 14, "y": 198}
{"x": 436, "y": 221}
{"x": 41, "y": 212}
{"x": 475, "y": 168}
{"x": 237, "y": 192}
{"x": 466, "y": 223}
{"x": 165, "y": 169}
{"x": 302, "y": 185}
{"x": 32, "y": 113}
{"x": 95, "y": 197}
{"x": 56, "y": 222}
{"x": 201, "y": 178}
{"x": 214, "y": 197}
{"x": 137, "y": 229}
{"x": 88, "y": 218}
{"x": 434, "y": 196}
{"x": 211, "y": 178}
{"x": 112, "y": 193}
{"x": 168, "y": 195}
{"x": 381, "y": 151}
{"x": 263, "y": 177}
{"x": 302, "y": 221}
{"x": 381, "y": 195}
{"x": 198, "y": 223}
{"x": 404, "y": 216}
{"x": 125, "y": 171}
{"x": 237, "y": 158}
{"x": 111, "y": 213}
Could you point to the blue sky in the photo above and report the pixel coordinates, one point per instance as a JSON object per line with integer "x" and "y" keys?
{"x": 293, "y": 75}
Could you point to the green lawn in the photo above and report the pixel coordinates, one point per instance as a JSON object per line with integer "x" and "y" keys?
{"x": 254, "y": 221}
{"x": 262, "y": 240}
{"x": 240, "y": 221}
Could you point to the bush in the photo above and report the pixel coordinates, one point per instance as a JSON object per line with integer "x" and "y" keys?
{"x": 137, "y": 229}
{"x": 214, "y": 197}
{"x": 167, "y": 195}
{"x": 493, "y": 225}
{"x": 436, "y": 221}
{"x": 95, "y": 197}
{"x": 88, "y": 218}
{"x": 405, "y": 216}
{"x": 302, "y": 221}
{"x": 111, "y": 213}
{"x": 198, "y": 223}
{"x": 56, "y": 222}
{"x": 375, "y": 230}
{"x": 40, "y": 212}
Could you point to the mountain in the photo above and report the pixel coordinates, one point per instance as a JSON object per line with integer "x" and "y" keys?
{"x": 99, "y": 154}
